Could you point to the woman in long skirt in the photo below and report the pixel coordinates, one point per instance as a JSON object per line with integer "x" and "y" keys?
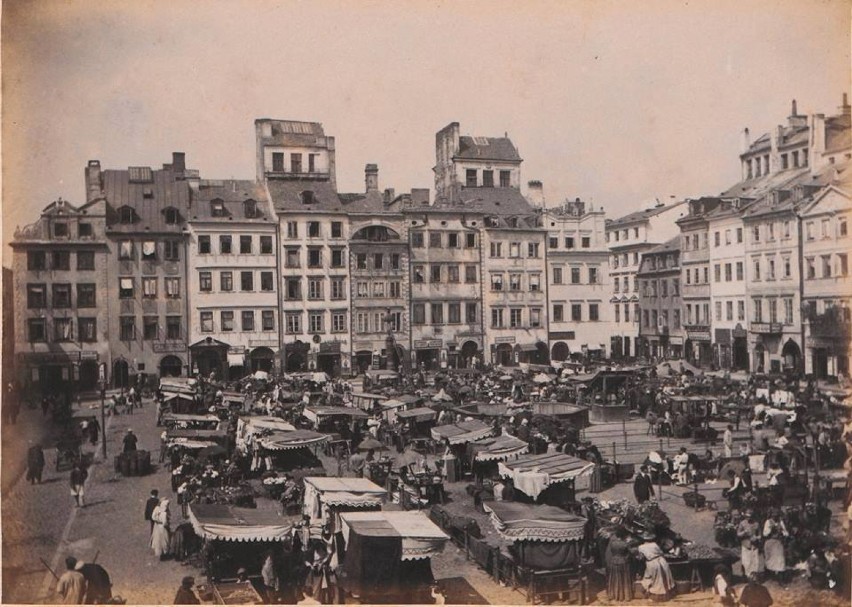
{"x": 748, "y": 532}
{"x": 619, "y": 582}
{"x": 658, "y": 581}
{"x": 162, "y": 528}
{"x": 774, "y": 532}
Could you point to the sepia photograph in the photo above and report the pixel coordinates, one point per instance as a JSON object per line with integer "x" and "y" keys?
{"x": 426, "y": 302}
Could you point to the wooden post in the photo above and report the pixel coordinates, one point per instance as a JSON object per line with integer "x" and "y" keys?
{"x": 614, "y": 459}
{"x": 624, "y": 432}
{"x": 660, "y": 477}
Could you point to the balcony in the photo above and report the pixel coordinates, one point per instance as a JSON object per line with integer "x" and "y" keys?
{"x": 766, "y": 328}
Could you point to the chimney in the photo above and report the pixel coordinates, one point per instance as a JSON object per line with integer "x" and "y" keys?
{"x": 817, "y": 142}
{"x": 93, "y": 180}
{"x": 178, "y": 162}
{"x": 389, "y": 196}
{"x": 371, "y": 176}
{"x": 746, "y": 141}
{"x": 420, "y": 197}
{"x": 775, "y": 140}
{"x": 794, "y": 119}
{"x": 535, "y": 194}
{"x": 844, "y": 108}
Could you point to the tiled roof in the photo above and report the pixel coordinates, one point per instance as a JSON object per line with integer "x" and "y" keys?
{"x": 494, "y": 201}
{"x": 286, "y": 195}
{"x": 838, "y": 134}
{"x": 149, "y": 199}
{"x": 487, "y": 148}
{"x": 233, "y": 194}
{"x": 642, "y": 215}
{"x": 759, "y": 186}
{"x": 666, "y": 247}
{"x": 837, "y": 173}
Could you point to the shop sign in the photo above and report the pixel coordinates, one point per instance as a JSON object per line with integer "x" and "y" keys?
{"x": 330, "y": 347}
{"x": 428, "y": 344}
{"x": 237, "y": 350}
{"x": 701, "y": 335}
{"x": 723, "y": 337}
{"x": 88, "y": 355}
{"x": 168, "y": 346}
{"x": 569, "y": 335}
{"x": 508, "y": 339}
{"x": 50, "y": 357}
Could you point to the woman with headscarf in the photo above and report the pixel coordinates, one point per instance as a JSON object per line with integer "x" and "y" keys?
{"x": 774, "y": 531}
{"x": 162, "y": 529}
{"x": 619, "y": 582}
{"x": 748, "y": 532}
{"x": 657, "y": 581}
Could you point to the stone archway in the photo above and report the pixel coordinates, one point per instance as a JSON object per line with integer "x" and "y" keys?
{"x": 120, "y": 374}
{"x": 171, "y": 366}
{"x": 792, "y": 355}
{"x": 560, "y": 351}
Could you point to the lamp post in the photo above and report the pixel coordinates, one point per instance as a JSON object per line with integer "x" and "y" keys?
{"x": 390, "y": 342}
{"x": 102, "y": 386}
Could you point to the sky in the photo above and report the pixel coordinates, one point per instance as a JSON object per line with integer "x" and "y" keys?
{"x": 615, "y": 102}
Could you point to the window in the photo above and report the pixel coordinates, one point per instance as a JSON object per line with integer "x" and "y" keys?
{"x": 553, "y": 242}
{"x": 217, "y": 208}
{"x": 533, "y": 249}
{"x": 557, "y": 276}
{"x": 470, "y": 274}
{"x": 36, "y": 296}
{"x": 125, "y": 288}
{"x": 86, "y": 296}
{"x": 771, "y": 231}
{"x": 265, "y": 245}
{"x": 313, "y": 229}
{"x": 717, "y": 239}
{"x": 452, "y": 273}
{"x": 336, "y": 229}
{"x": 488, "y": 179}
{"x": 676, "y": 319}
{"x": 505, "y": 177}
{"x": 172, "y": 288}
{"x": 245, "y": 244}
{"x": 558, "y": 311}
{"x": 514, "y": 282}
{"x": 825, "y": 231}
{"x": 496, "y": 282}
{"x": 654, "y": 318}
{"x": 675, "y": 287}
{"x": 809, "y": 230}
{"x": 378, "y": 289}
{"x": 593, "y": 276}
{"x": 173, "y": 327}
{"x": 688, "y": 277}
{"x": 312, "y": 165}
{"x": 127, "y": 328}
{"x": 718, "y": 307}
{"x": 378, "y": 261}
{"x": 756, "y": 269}
{"x": 576, "y": 312}
{"x": 203, "y": 245}
{"x": 810, "y": 268}
{"x": 87, "y": 329}
{"x": 470, "y": 178}
{"x": 826, "y": 266}
{"x": 417, "y": 240}
{"x": 496, "y": 249}
{"x": 292, "y": 229}
{"x": 842, "y": 229}
{"x": 61, "y": 260}
{"x": 727, "y": 237}
{"x": 150, "y": 328}
{"x": 569, "y": 243}
{"x": 740, "y": 310}
{"x": 247, "y": 318}
{"x": 535, "y": 282}
{"x": 435, "y": 272}
{"x": 36, "y": 330}
{"x": 338, "y": 322}
{"x": 664, "y": 288}
{"x": 205, "y": 281}
{"x": 149, "y": 250}
{"x": 362, "y": 288}
{"x": 61, "y": 296}
{"x": 247, "y": 281}
{"x": 773, "y": 310}
{"x": 729, "y": 275}
{"x": 616, "y": 284}
{"x": 266, "y": 281}
{"x": 470, "y": 241}
{"x": 756, "y": 234}
{"x": 739, "y": 270}
{"x": 395, "y": 289}
{"x": 337, "y": 258}
{"x": 435, "y": 240}
{"x": 296, "y": 163}
{"x": 294, "y": 322}
{"x": 315, "y": 288}
{"x": 786, "y": 233}
{"x": 514, "y": 249}
{"x": 361, "y": 261}
{"x": 337, "y": 288}
{"x": 617, "y": 313}
{"x": 419, "y": 274}
{"x": 437, "y": 313}
{"x": 37, "y": 260}
{"x": 395, "y": 260}
{"x": 757, "y": 305}
{"x": 278, "y": 162}
{"x": 515, "y": 318}
{"x": 788, "y": 311}
{"x": 843, "y": 264}
{"x": 85, "y": 230}
{"x": 770, "y": 275}
{"x": 149, "y": 288}
{"x": 454, "y": 313}
{"x": 315, "y": 322}
{"x": 586, "y": 242}
{"x": 497, "y": 318}
{"x": 171, "y": 250}
{"x": 593, "y": 311}
{"x": 717, "y": 273}
{"x": 226, "y": 281}
{"x": 314, "y": 257}
{"x": 126, "y": 215}
{"x": 575, "y": 276}
{"x": 85, "y": 260}
{"x": 418, "y": 314}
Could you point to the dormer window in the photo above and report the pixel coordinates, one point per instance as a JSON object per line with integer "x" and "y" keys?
{"x": 308, "y": 197}
{"x": 60, "y": 230}
{"x": 126, "y": 215}
{"x": 147, "y": 193}
{"x": 217, "y": 208}
{"x": 250, "y": 208}
{"x": 172, "y": 216}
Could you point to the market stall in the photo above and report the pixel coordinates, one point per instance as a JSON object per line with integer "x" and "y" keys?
{"x": 577, "y": 415}
{"x": 190, "y": 421}
{"x": 462, "y": 432}
{"x": 368, "y": 402}
{"x": 327, "y": 497}
{"x": 420, "y": 421}
{"x": 532, "y": 475}
{"x": 323, "y": 417}
{"x": 249, "y": 428}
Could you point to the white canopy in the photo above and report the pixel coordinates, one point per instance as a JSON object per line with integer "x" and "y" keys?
{"x": 421, "y": 538}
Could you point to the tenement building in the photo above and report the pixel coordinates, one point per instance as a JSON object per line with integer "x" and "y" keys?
{"x": 661, "y": 332}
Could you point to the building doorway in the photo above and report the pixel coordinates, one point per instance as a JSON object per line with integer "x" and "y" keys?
{"x": 560, "y": 351}
{"x": 504, "y": 355}
{"x": 262, "y": 359}
{"x": 171, "y": 366}
{"x": 792, "y": 355}
{"x": 740, "y": 356}
{"x": 759, "y": 362}
{"x": 88, "y": 375}
{"x": 429, "y": 358}
{"x": 820, "y": 362}
{"x": 120, "y": 374}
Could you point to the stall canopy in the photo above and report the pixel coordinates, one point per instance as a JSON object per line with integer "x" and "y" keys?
{"x": 525, "y": 522}
{"x": 421, "y": 538}
{"x": 259, "y": 423}
{"x": 336, "y": 491}
{"x": 188, "y": 419}
{"x": 532, "y": 474}
{"x": 232, "y": 524}
{"x": 185, "y": 385}
{"x": 379, "y": 375}
{"x": 315, "y": 413}
{"x": 420, "y": 414}
{"x": 499, "y": 448}
{"x": 203, "y": 435}
{"x": 285, "y": 441}
{"x": 462, "y": 432}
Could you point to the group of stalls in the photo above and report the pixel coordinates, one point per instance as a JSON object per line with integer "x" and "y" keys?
{"x": 277, "y": 449}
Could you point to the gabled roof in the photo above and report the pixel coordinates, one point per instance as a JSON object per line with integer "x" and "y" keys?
{"x": 493, "y": 201}
{"x": 286, "y": 195}
{"x": 147, "y": 198}
{"x": 487, "y": 148}
{"x": 666, "y": 247}
{"x": 784, "y": 200}
{"x": 233, "y": 193}
{"x": 642, "y": 215}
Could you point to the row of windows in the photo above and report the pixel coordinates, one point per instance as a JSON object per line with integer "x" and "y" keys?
{"x": 699, "y": 276}
{"x": 152, "y": 328}
{"x": 724, "y": 310}
{"x": 653, "y": 288}
{"x": 624, "y": 259}
{"x": 471, "y": 178}
{"x": 218, "y": 209}
{"x": 514, "y": 249}
{"x": 702, "y": 314}
{"x": 391, "y": 289}
{"x": 437, "y": 317}
{"x": 296, "y": 165}
{"x": 576, "y": 309}
{"x": 149, "y": 250}
{"x": 150, "y": 288}
{"x": 825, "y": 231}
{"x": 377, "y": 261}
{"x": 226, "y": 281}
{"x": 293, "y": 257}
{"x": 730, "y": 275}
{"x": 377, "y": 322}
{"x": 592, "y": 275}
{"x": 313, "y": 229}
{"x": 59, "y": 260}
{"x": 759, "y": 165}
{"x": 316, "y": 322}
{"x": 445, "y": 273}
{"x": 442, "y": 240}
{"x": 840, "y": 266}
{"x": 617, "y": 284}
{"x": 516, "y": 318}
{"x": 660, "y": 262}
{"x": 553, "y": 242}
{"x": 516, "y": 282}
{"x": 626, "y": 316}
{"x": 63, "y": 330}
{"x": 37, "y": 298}
{"x": 772, "y": 310}
{"x": 758, "y": 274}
{"x": 653, "y": 318}
{"x": 316, "y": 288}
{"x": 247, "y": 321}
{"x": 618, "y": 235}
{"x": 226, "y": 245}
{"x": 62, "y": 230}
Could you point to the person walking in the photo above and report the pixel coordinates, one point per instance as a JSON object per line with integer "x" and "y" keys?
{"x": 162, "y": 527}
{"x": 748, "y": 533}
{"x": 619, "y": 582}
{"x": 643, "y": 488}
{"x": 35, "y": 463}
{"x": 71, "y": 585}
{"x": 98, "y": 584}
{"x": 77, "y": 481}
{"x": 728, "y": 441}
{"x": 151, "y": 505}
{"x": 185, "y": 594}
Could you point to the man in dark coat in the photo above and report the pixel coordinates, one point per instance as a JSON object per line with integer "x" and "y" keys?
{"x": 35, "y": 464}
{"x": 98, "y": 584}
{"x": 185, "y": 594}
{"x": 643, "y": 488}
{"x": 150, "y": 505}
{"x": 130, "y": 441}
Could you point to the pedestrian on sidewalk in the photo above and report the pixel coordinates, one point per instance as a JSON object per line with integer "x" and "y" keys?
{"x": 71, "y": 585}
{"x": 78, "y": 480}
{"x": 35, "y": 463}
{"x": 728, "y": 440}
{"x": 130, "y": 441}
{"x": 151, "y": 505}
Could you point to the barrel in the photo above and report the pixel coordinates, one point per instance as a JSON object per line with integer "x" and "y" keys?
{"x": 143, "y": 462}
{"x": 133, "y": 463}
{"x": 125, "y": 465}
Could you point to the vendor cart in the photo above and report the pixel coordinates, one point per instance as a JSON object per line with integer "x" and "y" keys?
{"x": 327, "y": 497}
{"x": 190, "y": 421}
{"x": 323, "y": 418}
{"x": 552, "y": 478}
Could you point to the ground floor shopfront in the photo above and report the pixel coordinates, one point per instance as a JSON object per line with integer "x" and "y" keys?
{"x": 731, "y": 349}
{"x": 462, "y": 352}
{"x": 827, "y": 357}
{"x": 773, "y": 350}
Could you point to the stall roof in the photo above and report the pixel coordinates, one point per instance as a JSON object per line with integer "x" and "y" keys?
{"x": 232, "y": 524}
{"x": 318, "y": 411}
{"x": 421, "y": 538}
{"x": 189, "y": 417}
{"x": 195, "y": 434}
{"x": 532, "y": 474}
{"x": 462, "y": 432}
{"x": 336, "y": 491}
{"x": 526, "y": 522}
{"x": 265, "y": 422}
{"x": 418, "y": 414}
{"x": 167, "y": 396}
{"x": 382, "y": 374}
{"x": 285, "y": 441}
{"x": 501, "y": 447}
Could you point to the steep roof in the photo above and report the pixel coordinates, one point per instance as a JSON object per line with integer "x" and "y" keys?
{"x": 149, "y": 192}
{"x": 487, "y": 148}
{"x": 783, "y": 199}
{"x": 759, "y": 186}
{"x": 643, "y": 215}
{"x": 233, "y": 193}
{"x": 286, "y": 195}
{"x": 494, "y": 201}
{"x": 666, "y": 247}
{"x": 838, "y": 134}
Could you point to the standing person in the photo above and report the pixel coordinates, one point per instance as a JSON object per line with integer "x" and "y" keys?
{"x": 131, "y": 399}
{"x": 681, "y": 462}
{"x": 270, "y": 579}
{"x": 619, "y": 582}
{"x": 657, "y": 580}
{"x": 98, "y": 584}
{"x": 728, "y": 441}
{"x": 774, "y": 531}
{"x": 35, "y": 463}
{"x": 357, "y": 463}
{"x": 71, "y": 585}
{"x": 162, "y": 527}
{"x": 748, "y": 532}
{"x": 185, "y": 594}
{"x": 94, "y": 431}
{"x": 78, "y": 480}
{"x": 723, "y": 590}
{"x": 643, "y": 488}
{"x": 130, "y": 441}
{"x": 320, "y": 577}
{"x": 151, "y": 505}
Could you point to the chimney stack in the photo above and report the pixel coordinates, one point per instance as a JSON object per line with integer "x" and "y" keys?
{"x": 178, "y": 162}
{"x": 535, "y": 194}
{"x": 746, "y": 141}
{"x": 420, "y": 197}
{"x": 817, "y": 142}
{"x": 371, "y": 176}
{"x": 93, "y": 180}
{"x": 794, "y": 119}
{"x": 844, "y": 108}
